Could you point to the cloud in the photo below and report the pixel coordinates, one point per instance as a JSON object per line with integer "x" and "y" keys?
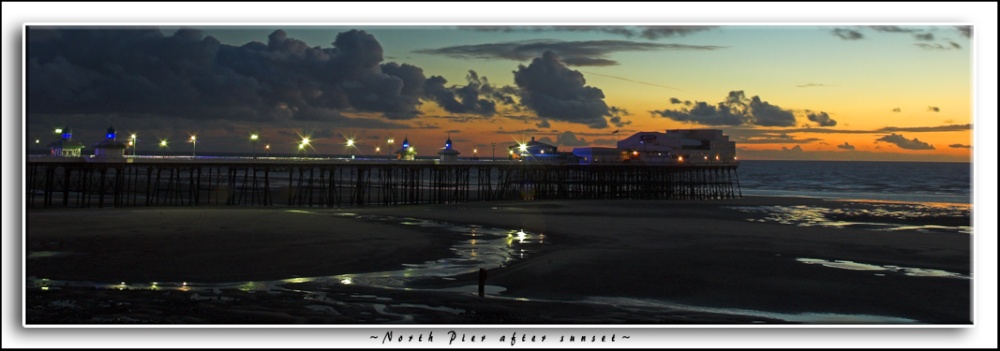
{"x": 896, "y": 109}
{"x": 555, "y": 92}
{"x": 951, "y": 45}
{"x": 822, "y": 118}
{"x": 966, "y": 31}
{"x": 780, "y": 139}
{"x": 933, "y": 109}
{"x": 573, "y": 53}
{"x": 189, "y": 75}
{"x": 904, "y": 143}
{"x": 847, "y": 34}
{"x": 750, "y": 132}
{"x": 924, "y": 36}
{"x": 616, "y": 116}
{"x": 846, "y": 146}
{"x": 737, "y": 109}
{"x": 543, "y": 124}
{"x": 960, "y": 146}
{"x": 568, "y": 138}
{"x": 810, "y": 85}
{"x": 518, "y": 132}
{"x": 893, "y": 29}
{"x": 675, "y": 101}
{"x": 795, "y": 149}
{"x": 478, "y": 96}
{"x": 648, "y": 32}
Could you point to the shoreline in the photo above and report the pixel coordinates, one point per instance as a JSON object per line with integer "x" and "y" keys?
{"x": 694, "y": 253}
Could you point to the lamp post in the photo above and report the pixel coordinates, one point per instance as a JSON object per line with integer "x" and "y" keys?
{"x": 389, "y": 149}
{"x": 194, "y": 145}
{"x": 253, "y": 140}
{"x": 303, "y": 145}
{"x": 163, "y": 147}
{"x": 475, "y": 154}
{"x": 350, "y": 146}
{"x": 494, "y": 158}
{"x": 135, "y": 145}
{"x": 267, "y": 149}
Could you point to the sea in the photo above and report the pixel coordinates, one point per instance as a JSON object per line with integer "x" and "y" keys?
{"x": 934, "y": 182}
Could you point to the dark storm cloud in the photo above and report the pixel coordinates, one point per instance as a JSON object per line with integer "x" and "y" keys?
{"x": 924, "y": 36}
{"x": 675, "y": 101}
{"x": 933, "y": 109}
{"x": 478, "y": 96}
{"x": 796, "y": 149}
{"x": 543, "y": 124}
{"x": 737, "y": 109}
{"x": 960, "y": 146}
{"x": 648, "y": 32}
{"x": 897, "y": 109}
{"x": 186, "y": 74}
{"x": 846, "y": 146}
{"x": 822, "y": 118}
{"x": 904, "y": 143}
{"x": 847, "y": 34}
{"x": 576, "y": 53}
{"x": 558, "y": 93}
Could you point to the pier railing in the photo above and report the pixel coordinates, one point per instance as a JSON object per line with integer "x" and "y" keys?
{"x": 329, "y": 184}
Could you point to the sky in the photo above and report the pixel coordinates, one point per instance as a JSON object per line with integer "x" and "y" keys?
{"x": 826, "y": 92}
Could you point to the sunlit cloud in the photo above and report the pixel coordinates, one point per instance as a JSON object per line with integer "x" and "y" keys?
{"x": 904, "y": 143}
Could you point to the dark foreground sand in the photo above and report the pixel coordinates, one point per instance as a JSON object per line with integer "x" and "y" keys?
{"x": 632, "y": 255}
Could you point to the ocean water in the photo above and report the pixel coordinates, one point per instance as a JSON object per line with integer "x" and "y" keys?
{"x": 888, "y": 181}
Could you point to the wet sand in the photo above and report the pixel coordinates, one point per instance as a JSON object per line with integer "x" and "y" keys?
{"x": 629, "y": 260}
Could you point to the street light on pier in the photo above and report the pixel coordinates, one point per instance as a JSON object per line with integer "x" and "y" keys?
{"x": 194, "y": 145}
{"x": 135, "y": 144}
{"x": 163, "y": 146}
{"x": 303, "y": 145}
{"x": 494, "y": 158}
{"x": 253, "y": 140}
{"x": 389, "y": 149}
{"x": 267, "y": 149}
{"x": 475, "y": 154}
{"x": 350, "y": 145}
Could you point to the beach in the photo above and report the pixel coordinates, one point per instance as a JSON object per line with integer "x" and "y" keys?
{"x": 589, "y": 262}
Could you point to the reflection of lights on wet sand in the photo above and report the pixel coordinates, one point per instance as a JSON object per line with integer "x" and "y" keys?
{"x": 346, "y": 281}
{"x": 520, "y": 236}
{"x": 45, "y": 288}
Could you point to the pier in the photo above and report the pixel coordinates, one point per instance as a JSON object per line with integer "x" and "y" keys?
{"x": 54, "y": 183}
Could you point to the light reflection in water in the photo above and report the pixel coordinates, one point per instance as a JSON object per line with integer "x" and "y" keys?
{"x": 869, "y": 215}
{"x": 908, "y": 271}
{"x": 488, "y": 247}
